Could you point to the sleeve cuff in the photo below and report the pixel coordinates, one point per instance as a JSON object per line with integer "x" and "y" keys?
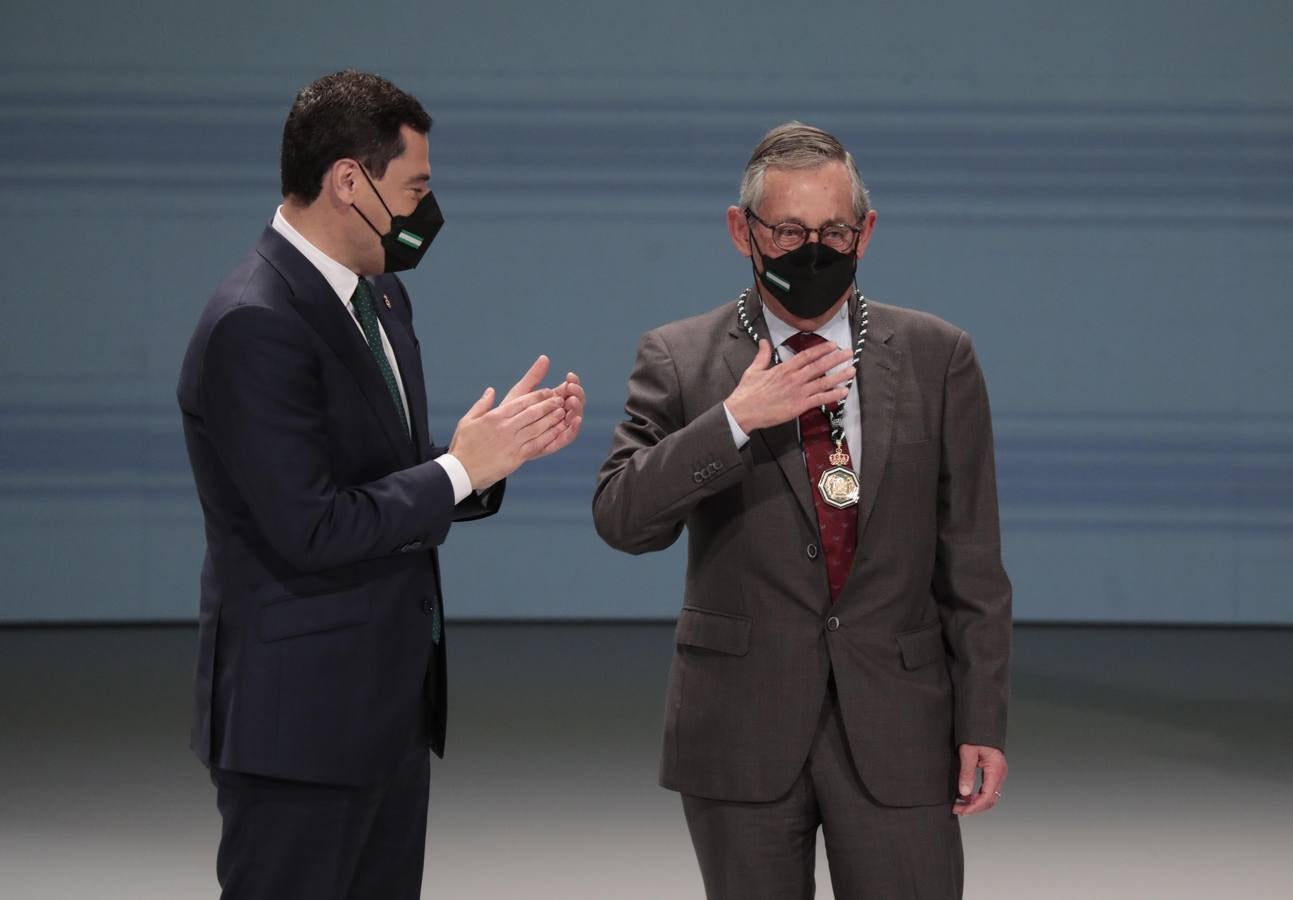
{"x": 457, "y": 476}
{"x": 739, "y": 437}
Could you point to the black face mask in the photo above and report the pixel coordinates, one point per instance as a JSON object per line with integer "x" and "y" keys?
{"x": 806, "y": 281}
{"x": 410, "y": 235}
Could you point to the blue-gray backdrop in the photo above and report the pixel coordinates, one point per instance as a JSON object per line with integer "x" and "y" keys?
{"x": 1100, "y": 192}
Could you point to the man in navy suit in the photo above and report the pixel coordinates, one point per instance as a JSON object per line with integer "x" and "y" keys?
{"x": 321, "y": 667}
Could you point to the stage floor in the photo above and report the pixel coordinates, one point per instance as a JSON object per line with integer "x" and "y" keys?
{"x": 1145, "y": 763}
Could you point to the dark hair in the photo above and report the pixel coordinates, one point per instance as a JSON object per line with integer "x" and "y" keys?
{"x": 345, "y": 115}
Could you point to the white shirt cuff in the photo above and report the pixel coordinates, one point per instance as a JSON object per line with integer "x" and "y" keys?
{"x": 739, "y": 437}
{"x": 457, "y": 476}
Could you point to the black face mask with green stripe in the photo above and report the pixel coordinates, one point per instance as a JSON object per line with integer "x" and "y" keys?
{"x": 808, "y": 280}
{"x": 410, "y": 235}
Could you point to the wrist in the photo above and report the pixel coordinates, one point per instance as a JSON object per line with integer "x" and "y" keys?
{"x": 739, "y": 414}
{"x": 459, "y": 477}
{"x": 470, "y": 467}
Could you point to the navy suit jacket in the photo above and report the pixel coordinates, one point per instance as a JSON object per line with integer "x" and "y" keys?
{"x": 316, "y": 660}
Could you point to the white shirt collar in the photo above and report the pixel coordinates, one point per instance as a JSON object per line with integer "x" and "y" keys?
{"x": 836, "y": 329}
{"x": 343, "y": 280}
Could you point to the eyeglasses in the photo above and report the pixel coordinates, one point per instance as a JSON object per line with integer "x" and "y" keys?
{"x": 792, "y": 235}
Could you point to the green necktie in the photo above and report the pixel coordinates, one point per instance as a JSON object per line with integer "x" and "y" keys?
{"x": 366, "y": 312}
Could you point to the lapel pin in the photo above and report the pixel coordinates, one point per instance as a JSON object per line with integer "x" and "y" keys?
{"x": 388, "y": 301}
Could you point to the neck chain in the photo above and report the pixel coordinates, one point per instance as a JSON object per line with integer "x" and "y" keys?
{"x": 838, "y": 485}
{"x": 837, "y": 415}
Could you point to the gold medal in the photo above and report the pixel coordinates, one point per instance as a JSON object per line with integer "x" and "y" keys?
{"x": 839, "y": 485}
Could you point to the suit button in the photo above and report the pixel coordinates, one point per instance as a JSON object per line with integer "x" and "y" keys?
{"x": 811, "y": 550}
{"x": 718, "y": 466}
{"x": 832, "y": 624}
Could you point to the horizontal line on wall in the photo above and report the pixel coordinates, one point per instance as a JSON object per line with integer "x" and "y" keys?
{"x": 191, "y": 624}
{"x": 682, "y": 158}
{"x": 33, "y": 444}
{"x": 564, "y": 510}
{"x": 1070, "y": 472}
{"x": 504, "y": 90}
{"x": 1164, "y": 420}
{"x": 538, "y": 213}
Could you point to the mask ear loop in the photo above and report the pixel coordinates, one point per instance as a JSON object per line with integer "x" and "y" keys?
{"x": 754, "y": 248}
{"x": 378, "y": 195}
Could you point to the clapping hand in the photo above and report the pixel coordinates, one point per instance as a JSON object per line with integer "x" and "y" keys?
{"x": 570, "y": 392}
{"x": 493, "y": 442}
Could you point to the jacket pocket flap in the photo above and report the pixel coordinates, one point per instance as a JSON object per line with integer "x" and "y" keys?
{"x": 293, "y": 616}
{"x": 709, "y": 630}
{"x": 920, "y": 648}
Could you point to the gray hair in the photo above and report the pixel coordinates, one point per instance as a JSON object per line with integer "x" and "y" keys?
{"x": 795, "y": 145}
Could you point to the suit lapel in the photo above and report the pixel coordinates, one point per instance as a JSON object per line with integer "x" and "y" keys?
{"x": 878, "y": 375}
{"x": 318, "y": 304}
{"x": 781, "y": 441}
{"x": 406, "y": 354}
{"x": 877, "y": 387}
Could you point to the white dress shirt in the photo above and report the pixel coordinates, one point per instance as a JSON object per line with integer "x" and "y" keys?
{"x": 344, "y": 282}
{"x": 837, "y": 331}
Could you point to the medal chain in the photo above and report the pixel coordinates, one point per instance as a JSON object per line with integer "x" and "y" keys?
{"x": 834, "y": 416}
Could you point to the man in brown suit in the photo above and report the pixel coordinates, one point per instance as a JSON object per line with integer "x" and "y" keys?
{"x": 843, "y": 645}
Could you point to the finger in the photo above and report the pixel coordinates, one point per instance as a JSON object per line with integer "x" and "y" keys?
{"x": 481, "y": 406}
{"x": 983, "y": 799}
{"x": 994, "y": 777}
{"x": 571, "y": 425}
{"x": 805, "y": 358}
{"x": 575, "y": 397}
{"x": 986, "y": 796}
{"x": 831, "y": 380}
{"x": 836, "y": 358}
{"x": 824, "y": 398}
{"x": 969, "y": 757}
{"x": 993, "y": 764}
{"x": 531, "y": 379}
{"x": 541, "y": 445}
{"x": 570, "y": 380}
{"x": 536, "y": 412}
{"x": 762, "y": 356}
{"x": 969, "y": 768}
{"x": 982, "y": 802}
{"x": 541, "y": 426}
{"x": 509, "y": 408}
{"x": 571, "y": 388}
{"x": 565, "y": 435}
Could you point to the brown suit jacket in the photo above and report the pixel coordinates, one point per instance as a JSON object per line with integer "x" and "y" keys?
{"x": 921, "y": 641}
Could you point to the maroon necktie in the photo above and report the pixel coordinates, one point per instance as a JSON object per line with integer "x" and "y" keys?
{"x": 838, "y": 528}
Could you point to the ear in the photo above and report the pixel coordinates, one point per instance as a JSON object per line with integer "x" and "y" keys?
{"x": 868, "y": 229}
{"x": 738, "y": 227}
{"x": 342, "y": 180}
